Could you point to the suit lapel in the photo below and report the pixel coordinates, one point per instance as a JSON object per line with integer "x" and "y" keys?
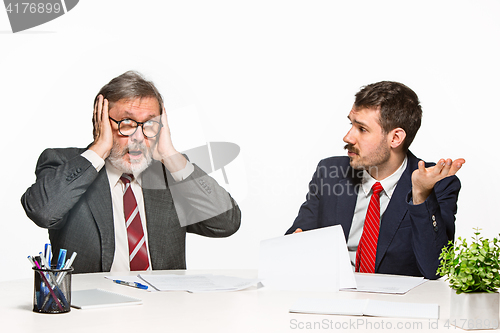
{"x": 99, "y": 201}
{"x": 157, "y": 204}
{"x": 347, "y": 202}
{"x": 395, "y": 211}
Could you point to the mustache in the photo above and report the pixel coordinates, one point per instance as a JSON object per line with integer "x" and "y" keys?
{"x": 134, "y": 146}
{"x": 351, "y": 148}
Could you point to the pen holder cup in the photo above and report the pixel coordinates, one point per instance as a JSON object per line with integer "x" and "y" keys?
{"x": 52, "y": 290}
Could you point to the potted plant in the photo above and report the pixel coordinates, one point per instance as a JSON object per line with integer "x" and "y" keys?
{"x": 473, "y": 271}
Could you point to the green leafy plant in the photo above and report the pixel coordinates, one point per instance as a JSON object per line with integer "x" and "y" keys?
{"x": 471, "y": 268}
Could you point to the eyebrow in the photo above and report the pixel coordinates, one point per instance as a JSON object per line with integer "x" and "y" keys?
{"x": 357, "y": 122}
{"x": 128, "y": 115}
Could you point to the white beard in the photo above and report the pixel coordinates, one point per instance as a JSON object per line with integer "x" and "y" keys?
{"x": 134, "y": 167}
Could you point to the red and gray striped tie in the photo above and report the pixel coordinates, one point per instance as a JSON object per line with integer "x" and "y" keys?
{"x": 138, "y": 254}
{"x": 367, "y": 248}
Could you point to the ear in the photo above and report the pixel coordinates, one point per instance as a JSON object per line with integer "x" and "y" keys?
{"x": 396, "y": 137}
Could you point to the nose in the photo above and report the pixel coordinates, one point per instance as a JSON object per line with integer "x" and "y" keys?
{"x": 349, "y": 138}
{"x": 138, "y": 136}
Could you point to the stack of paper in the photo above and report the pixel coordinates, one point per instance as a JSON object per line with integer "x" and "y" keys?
{"x": 366, "y": 307}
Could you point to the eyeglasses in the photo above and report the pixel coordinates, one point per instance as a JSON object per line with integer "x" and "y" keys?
{"x": 127, "y": 127}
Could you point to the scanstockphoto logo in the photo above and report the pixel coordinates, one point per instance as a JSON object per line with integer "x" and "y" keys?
{"x": 214, "y": 156}
{"x": 25, "y": 14}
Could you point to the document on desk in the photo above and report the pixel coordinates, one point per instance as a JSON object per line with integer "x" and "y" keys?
{"x": 314, "y": 260}
{"x": 99, "y": 298}
{"x": 385, "y": 284}
{"x": 365, "y": 307}
{"x": 197, "y": 283}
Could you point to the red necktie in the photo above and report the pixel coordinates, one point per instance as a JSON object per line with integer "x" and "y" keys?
{"x": 367, "y": 248}
{"x": 138, "y": 254}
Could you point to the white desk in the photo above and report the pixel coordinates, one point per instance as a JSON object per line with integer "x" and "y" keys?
{"x": 250, "y": 310}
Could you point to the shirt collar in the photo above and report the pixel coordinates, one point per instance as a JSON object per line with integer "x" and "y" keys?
{"x": 388, "y": 183}
{"x": 114, "y": 175}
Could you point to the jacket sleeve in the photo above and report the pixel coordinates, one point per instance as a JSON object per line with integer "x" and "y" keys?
{"x": 433, "y": 224}
{"x": 62, "y": 177}
{"x": 202, "y": 205}
{"x": 308, "y": 216}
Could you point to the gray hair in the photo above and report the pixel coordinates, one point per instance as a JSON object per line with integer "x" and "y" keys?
{"x": 129, "y": 85}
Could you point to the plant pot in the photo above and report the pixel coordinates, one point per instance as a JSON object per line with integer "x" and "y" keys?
{"x": 474, "y": 311}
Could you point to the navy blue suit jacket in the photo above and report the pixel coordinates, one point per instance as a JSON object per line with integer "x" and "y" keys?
{"x": 408, "y": 243}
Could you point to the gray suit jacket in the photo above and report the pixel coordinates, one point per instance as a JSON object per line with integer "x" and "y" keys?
{"x": 73, "y": 201}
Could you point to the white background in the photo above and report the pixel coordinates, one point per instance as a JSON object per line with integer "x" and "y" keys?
{"x": 277, "y": 78}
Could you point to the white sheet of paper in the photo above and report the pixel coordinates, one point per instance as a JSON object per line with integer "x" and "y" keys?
{"x": 386, "y": 284}
{"x": 197, "y": 283}
{"x": 366, "y": 307}
{"x": 315, "y": 260}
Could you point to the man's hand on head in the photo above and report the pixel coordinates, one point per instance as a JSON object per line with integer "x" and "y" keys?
{"x": 423, "y": 179}
{"x": 103, "y": 135}
{"x": 165, "y": 151}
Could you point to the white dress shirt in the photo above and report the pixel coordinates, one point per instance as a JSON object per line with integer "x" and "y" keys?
{"x": 121, "y": 258}
{"x": 364, "y": 196}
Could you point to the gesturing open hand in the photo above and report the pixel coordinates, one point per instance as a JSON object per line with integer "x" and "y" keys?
{"x": 423, "y": 179}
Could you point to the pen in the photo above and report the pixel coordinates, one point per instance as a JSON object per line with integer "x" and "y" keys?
{"x": 69, "y": 262}
{"x": 66, "y": 266}
{"x": 132, "y": 284}
{"x": 31, "y": 261}
{"x": 45, "y": 264}
{"x": 61, "y": 259}
{"x": 48, "y": 252}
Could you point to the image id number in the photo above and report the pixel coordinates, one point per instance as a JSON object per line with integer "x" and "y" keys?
{"x": 32, "y": 7}
{"x": 471, "y": 323}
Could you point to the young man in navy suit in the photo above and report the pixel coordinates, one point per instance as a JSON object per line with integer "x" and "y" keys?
{"x": 415, "y": 213}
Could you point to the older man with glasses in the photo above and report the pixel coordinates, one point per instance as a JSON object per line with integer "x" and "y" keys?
{"x": 127, "y": 200}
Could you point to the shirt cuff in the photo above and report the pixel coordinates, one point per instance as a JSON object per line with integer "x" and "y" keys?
{"x": 184, "y": 173}
{"x": 93, "y": 158}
